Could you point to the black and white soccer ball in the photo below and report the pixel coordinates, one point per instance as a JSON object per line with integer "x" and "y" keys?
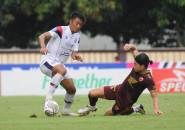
{"x": 51, "y": 108}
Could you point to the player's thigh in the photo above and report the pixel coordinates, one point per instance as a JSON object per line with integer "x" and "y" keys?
{"x": 106, "y": 92}
{"x": 59, "y": 68}
{"x": 110, "y": 92}
{"x": 46, "y": 70}
{"x": 68, "y": 85}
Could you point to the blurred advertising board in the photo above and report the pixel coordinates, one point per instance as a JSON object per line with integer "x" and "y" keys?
{"x": 169, "y": 80}
{"x": 28, "y": 80}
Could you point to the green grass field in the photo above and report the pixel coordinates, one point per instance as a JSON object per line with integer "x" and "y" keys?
{"x": 15, "y": 112}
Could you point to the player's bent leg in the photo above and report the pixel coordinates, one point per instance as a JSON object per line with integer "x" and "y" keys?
{"x": 93, "y": 98}
{"x": 95, "y": 94}
{"x": 127, "y": 110}
{"x": 69, "y": 86}
{"x": 121, "y": 109}
{"x": 56, "y": 73}
{"x": 106, "y": 92}
{"x": 113, "y": 112}
{"x": 55, "y": 81}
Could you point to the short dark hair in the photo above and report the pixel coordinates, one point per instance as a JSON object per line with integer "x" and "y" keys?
{"x": 143, "y": 59}
{"x": 78, "y": 15}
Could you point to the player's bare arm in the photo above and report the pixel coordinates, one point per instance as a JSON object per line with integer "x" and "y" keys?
{"x": 42, "y": 39}
{"x": 131, "y": 47}
{"x": 76, "y": 56}
{"x": 155, "y": 102}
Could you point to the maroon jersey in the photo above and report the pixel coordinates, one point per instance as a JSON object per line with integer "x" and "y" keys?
{"x": 134, "y": 85}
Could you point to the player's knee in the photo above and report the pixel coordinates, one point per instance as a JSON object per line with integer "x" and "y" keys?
{"x": 60, "y": 70}
{"x": 92, "y": 93}
{"x": 72, "y": 90}
{"x": 108, "y": 113}
{"x": 126, "y": 111}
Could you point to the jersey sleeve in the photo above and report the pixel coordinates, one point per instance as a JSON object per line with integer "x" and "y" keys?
{"x": 149, "y": 82}
{"x": 57, "y": 31}
{"x": 76, "y": 43}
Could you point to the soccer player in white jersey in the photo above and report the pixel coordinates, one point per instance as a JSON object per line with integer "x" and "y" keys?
{"x": 56, "y": 46}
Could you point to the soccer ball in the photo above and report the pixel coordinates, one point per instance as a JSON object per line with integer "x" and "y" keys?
{"x": 51, "y": 108}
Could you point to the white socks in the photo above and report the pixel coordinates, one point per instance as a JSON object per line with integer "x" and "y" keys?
{"x": 50, "y": 92}
{"x": 55, "y": 81}
{"x": 68, "y": 100}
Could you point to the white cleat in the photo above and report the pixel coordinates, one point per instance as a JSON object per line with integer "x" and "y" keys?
{"x": 85, "y": 111}
{"x": 140, "y": 109}
{"x": 69, "y": 113}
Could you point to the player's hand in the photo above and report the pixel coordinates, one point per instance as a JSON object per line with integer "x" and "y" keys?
{"x": 128, "y": 47}
{"x": 78, "y": 58}
{"x": 43, "y": 50}
{"x": 158, "y": 112}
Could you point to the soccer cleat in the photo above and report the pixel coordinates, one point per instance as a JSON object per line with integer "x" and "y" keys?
{"x": 85, "y": 111}
{"x": 66, "y": 112}
{"x": 141, "y": 109}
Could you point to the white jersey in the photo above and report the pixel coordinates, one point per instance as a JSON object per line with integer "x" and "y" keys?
{"x": 62, "y": 43}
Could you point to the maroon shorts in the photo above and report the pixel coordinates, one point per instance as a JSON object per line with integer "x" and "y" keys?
{"x": 122, "y": 103}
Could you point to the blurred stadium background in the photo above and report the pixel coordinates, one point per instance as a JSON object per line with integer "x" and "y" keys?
{"x": 157, "y": 27}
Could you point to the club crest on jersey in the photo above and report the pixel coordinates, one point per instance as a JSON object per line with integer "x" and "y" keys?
{"x": 132, "y": 80}
{"x": 141, "y": 79}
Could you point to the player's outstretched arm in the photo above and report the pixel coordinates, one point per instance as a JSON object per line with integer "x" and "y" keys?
{"x": 131, "y": 47}
{"x": 42, "y": 40}
{"x": 155, "y": 102}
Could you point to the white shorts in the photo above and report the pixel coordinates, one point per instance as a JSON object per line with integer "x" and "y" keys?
{"x": 47, "y": 65}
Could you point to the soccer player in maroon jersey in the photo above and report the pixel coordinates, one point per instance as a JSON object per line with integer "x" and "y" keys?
{"x": 126, "y": 93}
